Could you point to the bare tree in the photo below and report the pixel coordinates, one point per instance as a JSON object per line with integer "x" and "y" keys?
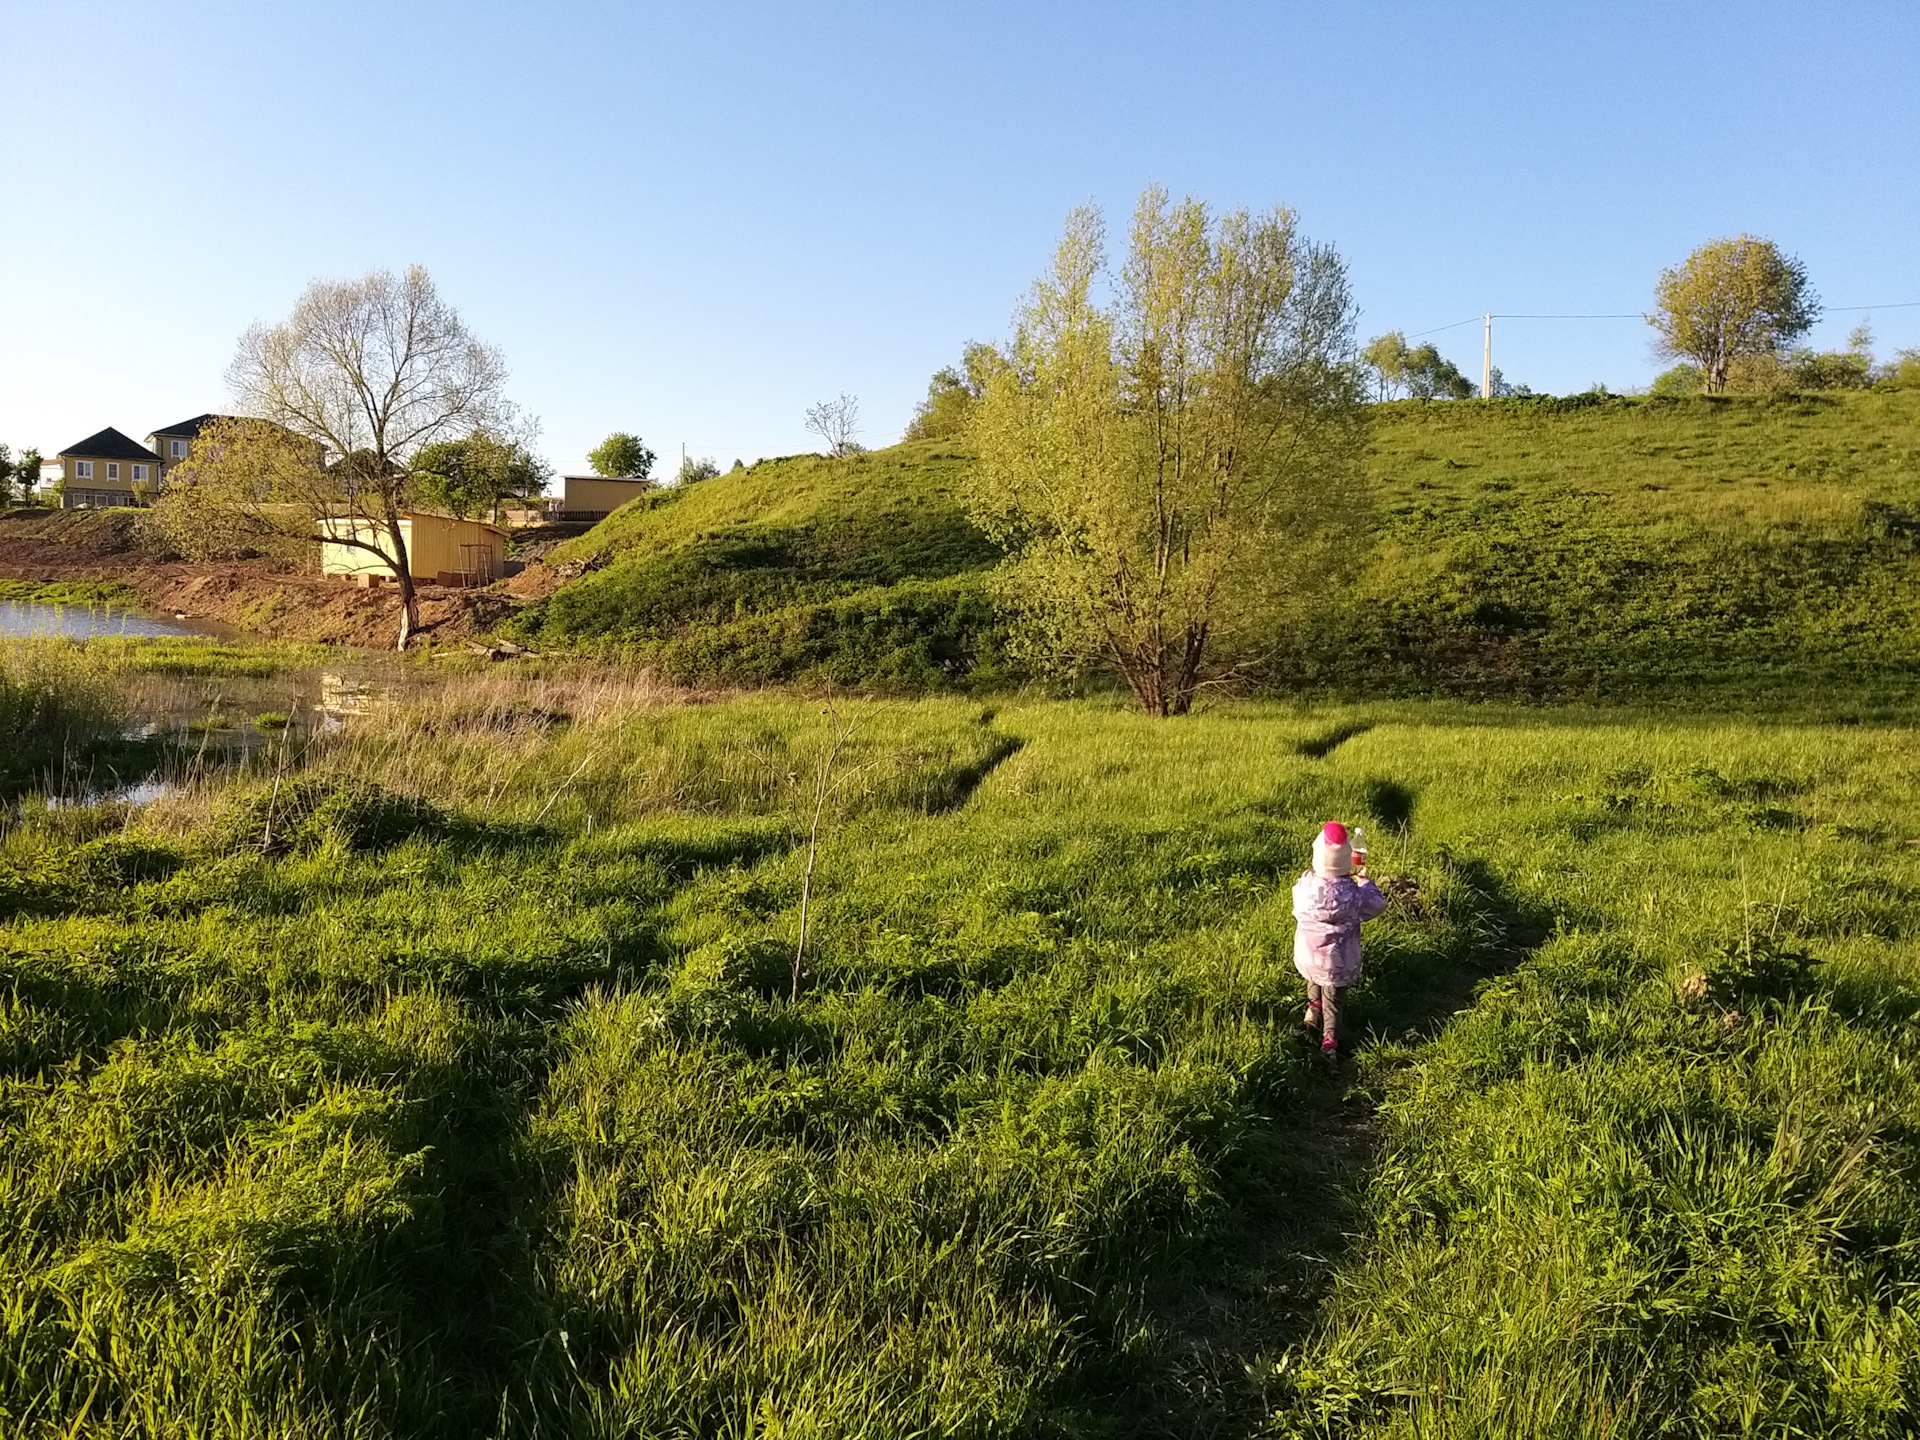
{"x": 837, "y": 422}
{"x": 370, "y": 372}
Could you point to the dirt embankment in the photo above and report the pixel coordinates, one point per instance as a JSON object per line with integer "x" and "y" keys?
{"x": 254, "y": 596}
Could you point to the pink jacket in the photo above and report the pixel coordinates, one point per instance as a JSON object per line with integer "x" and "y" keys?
{"x": 1326, "y": 934}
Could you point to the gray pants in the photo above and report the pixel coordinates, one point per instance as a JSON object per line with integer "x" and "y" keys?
{"x": 1326, "y": 999}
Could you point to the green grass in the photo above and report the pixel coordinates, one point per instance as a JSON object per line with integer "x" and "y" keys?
{"x": 865, "y": 571}
{"x": 1647, "y": 550}
{"x": 450, "y": 1081}
{"x": 68, "y": 592}
{"x": 1643, "y": 551}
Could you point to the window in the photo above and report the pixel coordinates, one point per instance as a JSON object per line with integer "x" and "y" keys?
{"x": 177, "y": 449}
{"x": 83, "y": 469}
{"x": 139, "y": 472}
{"x": 113, "y": 470}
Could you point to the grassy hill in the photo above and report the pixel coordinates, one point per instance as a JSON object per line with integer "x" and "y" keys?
{"x": 1601, "y": 548}
{"x": 863, "y": 570}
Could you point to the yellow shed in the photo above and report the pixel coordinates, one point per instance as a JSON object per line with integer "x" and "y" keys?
{"x": 441, "y": 549}
{"x": 594, "y": 497}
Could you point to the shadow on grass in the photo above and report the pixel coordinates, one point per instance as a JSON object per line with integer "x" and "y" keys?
{"x": 1318, "y": 747}
{"x": 1251, "y": 1288}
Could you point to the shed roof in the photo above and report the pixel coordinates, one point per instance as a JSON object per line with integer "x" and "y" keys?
{"x": 110, "y": 444}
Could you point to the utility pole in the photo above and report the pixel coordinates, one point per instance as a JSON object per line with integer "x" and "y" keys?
{"x": 1486, "y": 362}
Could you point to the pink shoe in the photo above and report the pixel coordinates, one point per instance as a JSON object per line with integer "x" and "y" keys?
{"x": 1329, "y": 1049}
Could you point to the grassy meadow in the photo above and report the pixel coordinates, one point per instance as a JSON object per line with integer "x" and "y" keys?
{"x": 1650, "y": 551}
{"x": 449, "y": 1072}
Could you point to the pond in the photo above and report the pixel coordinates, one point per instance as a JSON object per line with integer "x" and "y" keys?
{"x": 37, "y": 620}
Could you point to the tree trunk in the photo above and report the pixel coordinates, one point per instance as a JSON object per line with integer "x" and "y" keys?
{"x": 409, "y": 609}
{"x": 403, "y": 573}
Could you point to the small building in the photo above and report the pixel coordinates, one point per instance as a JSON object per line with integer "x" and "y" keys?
{"x": 106, "y": 470}
{"x": 441, "y": 549}
{"x": 594, "y": 497}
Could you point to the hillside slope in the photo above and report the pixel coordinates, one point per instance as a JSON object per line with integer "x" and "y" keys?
{"x": 1635, "y": 548}
{"x": 863, "y": 570}
{"x": 1616, "y": 548}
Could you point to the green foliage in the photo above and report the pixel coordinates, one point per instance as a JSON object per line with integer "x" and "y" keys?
{"x": 952, "y": 394}
{"x": 1420, "y": 372}
{"x": 622, "y": 456}
{"x": 52, "y": 705}
{"x": 1737, "y": 299}
{"x": 696, "y": 468}
{"x": 303, "y": 814}
{"x": 475, "y": 475}
{"x": 1172, "y": 469}
{"x": 68, "y": 592}
{"x": 1680, "y": 382}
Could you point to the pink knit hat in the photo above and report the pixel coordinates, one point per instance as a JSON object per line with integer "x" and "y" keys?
{"x": 1332, "y": 855}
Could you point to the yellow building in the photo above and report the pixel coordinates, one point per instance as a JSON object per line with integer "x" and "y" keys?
{"x": 106, "y": 470}
{"x": 594, "y": 497}
{"x": 441, "y": 549}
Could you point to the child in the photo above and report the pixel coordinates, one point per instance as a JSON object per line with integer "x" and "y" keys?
{"x": 1328, "y": 905}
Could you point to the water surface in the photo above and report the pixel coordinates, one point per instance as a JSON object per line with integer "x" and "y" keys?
{"x": 37, "y": 620}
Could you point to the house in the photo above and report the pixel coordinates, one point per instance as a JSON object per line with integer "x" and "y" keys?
{"x": 441, "y": 549}
{"x": 594, "y": 497}
{"x": 171, "y": 443}
{"x": 106, "y": 470}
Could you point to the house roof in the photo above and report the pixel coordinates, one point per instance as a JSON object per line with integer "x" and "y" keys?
{"x": 187, "y": 429}
{"x": 612, "y": 479}
{"x": 109, "y": 444}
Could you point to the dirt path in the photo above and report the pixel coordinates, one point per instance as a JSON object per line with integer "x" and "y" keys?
{"x": 254, "y": 596}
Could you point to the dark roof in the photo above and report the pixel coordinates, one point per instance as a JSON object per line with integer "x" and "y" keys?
{"x": 110, "y": 444}
{"x": 187, "y": 429}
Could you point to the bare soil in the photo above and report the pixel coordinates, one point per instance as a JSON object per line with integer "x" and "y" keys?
{"x": 256, "y": 596}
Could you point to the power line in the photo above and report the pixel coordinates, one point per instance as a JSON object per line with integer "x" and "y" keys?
{"x": 1635, "y": 316}
{"x": 1470, "y": 320}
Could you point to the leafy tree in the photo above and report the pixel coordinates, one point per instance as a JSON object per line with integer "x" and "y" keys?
{"x": 348, "y": 391}
{"x": 1173, "y": 470}
{"x": 7, "y": 472}
{"x": 1421, "y": 372}
{"x": 1732, "y": 300}
{"x": 837, "y": 422}
{"x": 475, "y": 475}
{"x": 1903, "y": 371}
{"x": 1682, "y": 380}
{"x": 952, "y": 395}
{"x": 622, "y": 457}
{"x": 1431, "y": 376}
{"x": 694, "y": 469}
{"x": 1385, "y": 362}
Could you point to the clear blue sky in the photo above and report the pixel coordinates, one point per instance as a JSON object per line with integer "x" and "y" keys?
{"x": 693, "y": 221}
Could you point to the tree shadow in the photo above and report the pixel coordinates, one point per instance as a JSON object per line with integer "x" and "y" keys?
{"x": 1318, "y": 747}
{"x": 1391, "y": 801}
{"x": 1251, "y": 1289}
{"x": 469, "y": 1304}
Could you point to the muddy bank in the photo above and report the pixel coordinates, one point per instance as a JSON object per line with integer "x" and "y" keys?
{"x": 254, "y": 596}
